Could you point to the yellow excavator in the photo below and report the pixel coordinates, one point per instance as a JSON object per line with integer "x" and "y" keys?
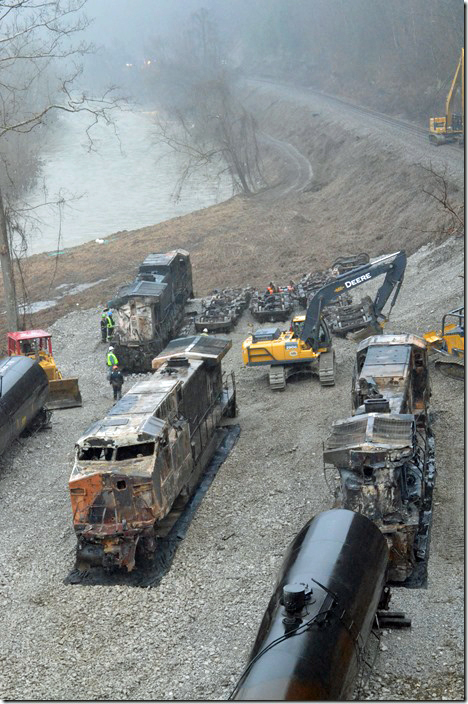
{"x": 447, "y": 345}
{"x": 37, "y": 344}
{"x": 307, "y": 346}
{"x": 451, "y": 127}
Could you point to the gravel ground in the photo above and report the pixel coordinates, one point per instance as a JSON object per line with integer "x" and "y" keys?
{"x": 189, "y": 638}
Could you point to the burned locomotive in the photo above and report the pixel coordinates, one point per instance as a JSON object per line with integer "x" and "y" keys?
{"x": 384, "y": 453}
{"x": 150, "y": 310}
{"x": 149, "y": 452}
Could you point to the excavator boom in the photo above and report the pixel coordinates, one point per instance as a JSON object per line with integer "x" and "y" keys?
{"x": 448, "y": 102}
{"x": 393, "y": 265}
{"x": 307, "y": 346}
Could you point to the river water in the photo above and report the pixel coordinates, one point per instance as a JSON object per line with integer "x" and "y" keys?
{"x": 125, "y": 184}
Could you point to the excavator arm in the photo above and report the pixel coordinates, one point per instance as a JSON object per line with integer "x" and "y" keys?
{"x": 393, "y": 265}
{"x": 448, "y": 102}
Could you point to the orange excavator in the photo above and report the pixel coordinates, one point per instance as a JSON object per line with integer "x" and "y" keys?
{"x": 37, "y": 344}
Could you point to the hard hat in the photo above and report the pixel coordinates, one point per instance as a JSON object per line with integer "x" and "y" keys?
{"x": 205, "y": 329}
{"x": 110, "y": 348}
{"x": 115, "y": 366}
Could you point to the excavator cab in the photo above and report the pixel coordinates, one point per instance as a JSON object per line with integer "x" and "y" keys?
{"x": 37, "y": 344}
{"x": 447, "y": 345}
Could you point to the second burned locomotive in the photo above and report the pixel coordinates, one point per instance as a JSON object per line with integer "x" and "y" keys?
{"x": 150, "y": 310}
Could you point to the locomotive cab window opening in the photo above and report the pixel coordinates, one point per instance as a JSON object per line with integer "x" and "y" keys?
{"x": 360, "y": 362}
{"x": 130, "y": 452}
{"x": 96, "y": 454}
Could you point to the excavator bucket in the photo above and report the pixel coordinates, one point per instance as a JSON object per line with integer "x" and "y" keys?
{"x": 64, "y": 393}
{"x": 368, "y": 331}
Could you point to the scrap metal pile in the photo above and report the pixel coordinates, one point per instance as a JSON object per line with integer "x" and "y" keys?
{"x": 310, "y": 283}
{"x": 222, "y": 310}
{"x": 271, "y": 307}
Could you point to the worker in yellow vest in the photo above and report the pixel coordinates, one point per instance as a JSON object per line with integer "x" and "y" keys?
{"x": 111, "y": 358}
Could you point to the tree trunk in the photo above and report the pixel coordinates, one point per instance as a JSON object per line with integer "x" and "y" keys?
{"x": 7, "y": 272}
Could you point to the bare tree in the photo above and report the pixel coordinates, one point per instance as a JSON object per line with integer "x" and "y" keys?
{"x": 440, "y": 191}
{"x": 39, "y": 76}
{"x": 207, "y": 122}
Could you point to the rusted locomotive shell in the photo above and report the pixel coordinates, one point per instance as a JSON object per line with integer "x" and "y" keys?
{"x": 321, "y": 613}
{"x": 24, "y": 390}
{"x": 150, "y": 310}
{"x": 144, "y": 459}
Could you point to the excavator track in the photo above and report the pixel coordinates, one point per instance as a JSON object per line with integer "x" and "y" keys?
{"x": 277, "y": 378}
{"x": 327, "y": 368}
{"x": 454, "y": 370}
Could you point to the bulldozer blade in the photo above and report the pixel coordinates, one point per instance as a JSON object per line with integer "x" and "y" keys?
{"x": 63, "y": 393}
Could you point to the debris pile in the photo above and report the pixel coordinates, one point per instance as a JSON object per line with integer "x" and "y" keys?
{"x": 222, "y": 310}
{"x": 271, "y": 307}
{"x": 344, "y": 264}
{"x": 310, "y": 283}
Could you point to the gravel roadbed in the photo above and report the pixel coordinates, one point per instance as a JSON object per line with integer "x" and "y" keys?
{"x": 189, "y": 638}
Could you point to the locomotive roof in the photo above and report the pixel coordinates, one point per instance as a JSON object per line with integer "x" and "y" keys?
{"x": 203, "y": 347}
{"x": 163, "y": 258}
{"x": 391, "y": 340}
{"x": 368, "y": 433}
{"x": 151, "y": 289}
{"x": 132, "y": 419}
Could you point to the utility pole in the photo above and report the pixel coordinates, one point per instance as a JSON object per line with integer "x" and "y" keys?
{"x": 7, "y": 272}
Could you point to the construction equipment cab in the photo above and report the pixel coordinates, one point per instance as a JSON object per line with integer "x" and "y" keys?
{"x": 307, "y": 346}
{"x": 37, "y": 344}
{"x": 451, "y": 126}
{"x": 447, "y": 346}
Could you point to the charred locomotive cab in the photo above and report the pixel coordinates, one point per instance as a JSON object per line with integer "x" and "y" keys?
{"x": 150, "y": 450}
{"x": 314, "y": 631}
{"x": 384, "y": 454}
{"x": 150, "y": 310}
{"x": 24, "y": 390}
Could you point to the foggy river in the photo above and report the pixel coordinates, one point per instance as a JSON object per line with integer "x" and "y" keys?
{"x": 121, "y": 186}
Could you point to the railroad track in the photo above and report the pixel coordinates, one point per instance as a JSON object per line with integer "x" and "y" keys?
{"x": 394, "y": 121}
{"x": 385, "y": 119}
